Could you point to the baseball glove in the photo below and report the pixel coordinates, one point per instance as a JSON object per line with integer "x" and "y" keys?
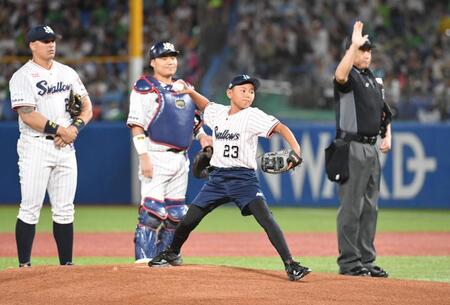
{"x": 201, "y": 163}
{"x": 280, "y": 161}
{"x": 74, "y": 104}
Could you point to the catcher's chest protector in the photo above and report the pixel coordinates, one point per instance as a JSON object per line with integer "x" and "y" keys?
{"x": 173, "y": 122}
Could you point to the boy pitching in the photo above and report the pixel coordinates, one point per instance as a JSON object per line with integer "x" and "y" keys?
{"x": 232, "y": 176}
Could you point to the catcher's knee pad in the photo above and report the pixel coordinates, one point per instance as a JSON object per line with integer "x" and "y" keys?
{"x": 176, "y": 213}
{"x": 151, "y": 215}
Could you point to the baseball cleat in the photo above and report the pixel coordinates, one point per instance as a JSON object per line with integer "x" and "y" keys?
{"x": 357, "y": 271}
{"x": 24, "y": 265}
{"x": 295, "y": 271}
{"x": 165, "y": 259}
{"x": 376, "y": 271}
{"x": 142, "y": 261}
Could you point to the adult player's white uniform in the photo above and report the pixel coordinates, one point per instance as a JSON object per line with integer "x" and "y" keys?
{"x": 43, "y": 166}
{"x": 235, "y": 136}
{"x": 169, "y": 123}
{"x": 170, "y": 169}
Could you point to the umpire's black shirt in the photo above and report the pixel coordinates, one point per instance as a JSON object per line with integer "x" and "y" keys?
{"x": 359, "y": 103}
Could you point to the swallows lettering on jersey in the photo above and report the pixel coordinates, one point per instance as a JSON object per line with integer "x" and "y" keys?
{"x": 225, "y": 135}
{"x": 45, "y": 89}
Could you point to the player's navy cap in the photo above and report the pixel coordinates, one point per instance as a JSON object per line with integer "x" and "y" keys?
{"x": 368, "y": 45}
{"x": 163, "y": 48}
{"x": 40, "y": 32}
{"x": 244, "y": 79}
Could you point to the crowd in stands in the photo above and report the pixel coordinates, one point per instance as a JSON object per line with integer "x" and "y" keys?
{"x": 302, "y": 41}
{"x": 296, "y": 41}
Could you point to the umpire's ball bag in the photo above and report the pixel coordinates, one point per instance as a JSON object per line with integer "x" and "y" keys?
{"x": 336, "y": 160}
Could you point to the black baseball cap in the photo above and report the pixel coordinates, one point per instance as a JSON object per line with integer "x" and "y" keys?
{"x": 368, "y": 45}
{"x": 40, "y": 32}
{"x": 244, "y": 79}
{"x": 163, "y": 48}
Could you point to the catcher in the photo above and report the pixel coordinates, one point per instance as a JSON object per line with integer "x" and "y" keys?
{"x": 232, "y": 173}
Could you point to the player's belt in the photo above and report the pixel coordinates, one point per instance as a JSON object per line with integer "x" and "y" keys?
{"x": 51, "y": 138}
{"x": 177, "y": 151}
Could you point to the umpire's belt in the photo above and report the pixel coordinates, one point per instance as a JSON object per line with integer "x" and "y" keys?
{"x": 347, "y": 136}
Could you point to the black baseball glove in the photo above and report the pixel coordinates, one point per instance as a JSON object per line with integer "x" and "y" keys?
{"x": 201, "y": 163}
{"x": 74, "y": 104}
{"x": 280, "y": 161}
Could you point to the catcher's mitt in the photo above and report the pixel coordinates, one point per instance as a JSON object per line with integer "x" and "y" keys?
{"x": 73, "y": 105}
{"x": 280, "y": 161}
{"x": 201, "y": 163}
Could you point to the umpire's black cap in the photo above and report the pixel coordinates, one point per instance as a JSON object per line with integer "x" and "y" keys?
{"x": 368, "y": 45}
{"x": 40, "y": 32}
{"x": 163, "y": 48}
{"x": 244, "y": 79}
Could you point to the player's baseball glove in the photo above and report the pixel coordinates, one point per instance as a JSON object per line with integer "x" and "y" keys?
{"x": 201, "y": 163}
{"x": 73, "y": 105}
{"x": 278, "y": 162}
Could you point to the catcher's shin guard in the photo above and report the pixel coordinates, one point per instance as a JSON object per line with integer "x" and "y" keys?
{"x": 145, "y": 240}
{"x": 176, "y": 213}
{"x": 151, "y": 215}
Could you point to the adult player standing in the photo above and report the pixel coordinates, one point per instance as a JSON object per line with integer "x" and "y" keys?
{"x": 232, "y": 177}
{"x": 162, "y": 125}
{"x": 40, "y": 92}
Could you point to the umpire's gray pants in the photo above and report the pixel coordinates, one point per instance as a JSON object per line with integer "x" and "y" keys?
{"x": 358, "y": 210}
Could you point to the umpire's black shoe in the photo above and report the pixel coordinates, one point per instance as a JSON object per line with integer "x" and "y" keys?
{"x": 376, "y": 271}
{"x": 295, "y": 271}
{"x": 166, "y": 258}
{"x": 357, "y": 271}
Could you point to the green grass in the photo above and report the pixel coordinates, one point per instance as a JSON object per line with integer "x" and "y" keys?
{"x": 228, "y": 219}
{"x": 428, "y": 268}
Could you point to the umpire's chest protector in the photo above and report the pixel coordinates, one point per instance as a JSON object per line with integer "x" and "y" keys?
{"x": 173, "y": 122}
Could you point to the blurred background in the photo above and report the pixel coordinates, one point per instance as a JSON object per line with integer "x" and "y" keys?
{"x": 293, "y": 46}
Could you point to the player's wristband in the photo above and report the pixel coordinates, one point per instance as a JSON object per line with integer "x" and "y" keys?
{"x": 78, "y": 123}
{"x": 51, "y": 127}
{"x": 139, "y": 144}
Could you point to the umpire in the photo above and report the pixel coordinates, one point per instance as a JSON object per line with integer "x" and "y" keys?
{"x": 360, "y": 116}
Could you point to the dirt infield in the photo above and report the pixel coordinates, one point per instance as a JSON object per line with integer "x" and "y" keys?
{"x": 236, "y": 244}
{"x": 211, "y": 285}
{"x": 196, "y": 285}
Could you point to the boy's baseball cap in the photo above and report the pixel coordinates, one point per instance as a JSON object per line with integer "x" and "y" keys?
{"x": 40, "y": 32}
{"x": 163, "y": 48}
{"x": 244, "y": 79}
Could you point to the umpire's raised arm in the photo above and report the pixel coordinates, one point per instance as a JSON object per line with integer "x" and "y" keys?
{"x": 346, "y": 64}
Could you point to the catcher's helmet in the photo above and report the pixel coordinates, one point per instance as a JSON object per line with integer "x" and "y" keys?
{"x": 163, "y": 48}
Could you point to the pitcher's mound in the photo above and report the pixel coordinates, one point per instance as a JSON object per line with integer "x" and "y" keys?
{"x": 200, "y": 284}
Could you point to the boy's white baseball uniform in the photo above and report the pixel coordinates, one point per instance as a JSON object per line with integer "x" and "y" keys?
{"x": 235, "y": 136}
